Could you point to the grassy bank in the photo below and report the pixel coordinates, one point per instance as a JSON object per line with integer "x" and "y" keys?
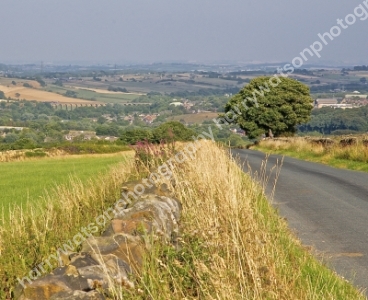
{"x": 234, "y": 245}
{"x": 354, "y": 157}
{"x": 24, "y": 181}
{"x": 34, "y": 231}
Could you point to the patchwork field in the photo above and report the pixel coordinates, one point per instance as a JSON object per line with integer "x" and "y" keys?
{"x": 92, "y": 94}
{"x": 26, "y": 93}
{"x": 100, "y": 91}
{"x": 29, "y": 180}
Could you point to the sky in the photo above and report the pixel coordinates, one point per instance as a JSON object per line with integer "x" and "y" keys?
{"x": 199, "y": 31}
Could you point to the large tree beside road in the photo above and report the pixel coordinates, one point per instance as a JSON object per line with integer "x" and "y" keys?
{"x": 271, "y": 104}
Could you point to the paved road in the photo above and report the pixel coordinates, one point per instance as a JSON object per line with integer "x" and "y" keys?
{"x": 326, "y": 207}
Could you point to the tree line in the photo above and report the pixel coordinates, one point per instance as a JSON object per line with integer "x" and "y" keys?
{"x": 337, "y": 121}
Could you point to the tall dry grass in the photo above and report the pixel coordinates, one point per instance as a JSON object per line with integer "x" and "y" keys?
{"x": 28, "y": 235}
{"x": 233, "y": 245}
{"x": 305, "y": 148}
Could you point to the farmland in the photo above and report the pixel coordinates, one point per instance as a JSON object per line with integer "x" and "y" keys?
{"x": 29, "y": 180}
{"x": 92, "y": 94}
{"x": 37, "y": 95}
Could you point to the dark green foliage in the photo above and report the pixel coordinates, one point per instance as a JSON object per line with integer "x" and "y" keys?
{"x": 132, "y": 136}
{"x": 172, "y": 131}
{"x": 361, "y": 68}
{"x": 167, "y": 132}
{"x": 58, "y": 82}
{"x": 117, "y": 89}
{"x": 27, "y": 85}
{"x": 71, "y": 94}
{"x": 2, "y": 95}
{"x": 112, "y": 130}
{"x": 271, "y": 103}
{"x": 333, "y": 121}
{"x": 40, "y": 81}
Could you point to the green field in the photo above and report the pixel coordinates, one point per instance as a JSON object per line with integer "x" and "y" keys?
{"x": 28, "y": 180}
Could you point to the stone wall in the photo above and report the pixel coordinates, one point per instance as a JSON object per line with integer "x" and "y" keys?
{"x": 116, "y": 255}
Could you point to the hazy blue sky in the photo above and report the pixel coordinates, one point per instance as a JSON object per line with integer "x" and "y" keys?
{"x": 179, "y": 30}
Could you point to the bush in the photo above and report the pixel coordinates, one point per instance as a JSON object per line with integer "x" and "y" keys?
{"x": 132, "y": 136}
{"x": 117, "y": 89}
{"x": 172, "y": 131}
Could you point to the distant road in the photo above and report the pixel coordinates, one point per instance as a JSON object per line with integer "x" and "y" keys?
{"x": 326, "y": 207}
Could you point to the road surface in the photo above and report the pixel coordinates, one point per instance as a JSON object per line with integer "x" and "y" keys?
{"x": 326, "y": 207}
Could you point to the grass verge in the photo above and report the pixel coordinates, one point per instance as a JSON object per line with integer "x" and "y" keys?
{"x": 234, "y": 244}
{"x": 354, "y": 157}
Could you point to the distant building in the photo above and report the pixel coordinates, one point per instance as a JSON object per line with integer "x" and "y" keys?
{"x": 188, "y": 105}
{"x": 356, "y": 102}
{"x": 325, "y": 102}
{"x": 177, "y": 103}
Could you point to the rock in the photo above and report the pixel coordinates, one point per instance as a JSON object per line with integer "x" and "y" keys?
{"x": 83, "y": 259}
{"x": 78, "y": 295}
{"x": 165, "y": 211}
{"x": 50, "y": 285}
{"x": 139, "y": 223}
{"x": 111, "y": 268}
{"x": 124, "y": 246}
{"x": 351, "y": 141}
{"x": 160, "y": 190}
{"x": 114, "y": 257}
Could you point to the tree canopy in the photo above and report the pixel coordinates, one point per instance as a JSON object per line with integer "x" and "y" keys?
{"x": 271, "y": 103}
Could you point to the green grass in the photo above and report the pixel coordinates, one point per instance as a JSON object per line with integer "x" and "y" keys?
{"x": 33, "y": 232}
{"x": 28, "y": 180}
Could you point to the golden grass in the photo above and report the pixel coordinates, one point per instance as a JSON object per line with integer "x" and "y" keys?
{"x": 39, "y": 95}
{"x": 354, "y": 157}
{"x": 20, "y": 155}
{"x": 234, "y": 245}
